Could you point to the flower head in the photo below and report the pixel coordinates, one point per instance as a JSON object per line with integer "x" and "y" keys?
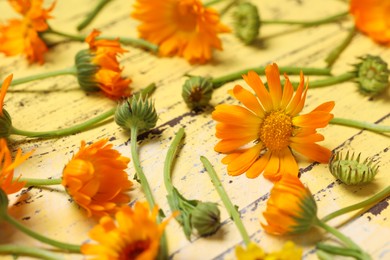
{"x": 254, "y": 252}
{"x": 260, "y": 136}
{"x": 197, "y": 92}
{"x": 98, "y": 67}
{"x": 372, "y": 18}
{"x": 5, "y": 118}
{"x": 7, "y": 166}
{"x": 96, "y": 179}
{"x": 291, "y": 207}
{"x": 22, "y": 36}
{"x": 206, "y": 218}
{"x": 246, "y": 22}
{"x": 134, "y": 235}
{"x": 182, "y": 27}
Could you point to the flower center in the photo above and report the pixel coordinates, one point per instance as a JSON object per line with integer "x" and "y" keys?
{"x": 133, "y": 250}
{"x": 185, "y": 15}
{"x": 275, "y": 130}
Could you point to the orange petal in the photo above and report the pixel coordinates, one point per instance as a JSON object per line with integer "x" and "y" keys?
{"x": 254, "y": 81}
{"x": 313, "y": 151}
{"x": 275, "y": 88}
{"x": 248, "y": 99}
{"x": 240, "y": 164}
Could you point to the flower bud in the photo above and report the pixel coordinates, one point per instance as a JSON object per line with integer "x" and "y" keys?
{"x": 372, "y": 74}
{"x": 197, "y": 92}
{"x": 206, "y": 218}
{"x": 246, "y": 22}
{"x": 86, "y": 71}
{"x": 5, "y": 124}
{"x": 136, "y": 112}
{"x": 352, "y": 171}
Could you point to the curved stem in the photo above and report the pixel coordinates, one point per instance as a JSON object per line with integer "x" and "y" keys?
{"x": 46, "y": 240}
{"x": 335, "y": 53}
{"x": 66, "y": 131}
{"x": 364, "y": 204}
{"x": 328, "y": 81}
{"x": 329, "y": 19}
{"x": 40, "y": 182}
{"x": 67, "y": 71}
{"x": 124, "y": 40}
{"x": 169, "y": 160}
{"x": 335, "y": 250}
{"x": 28, "y": 251}
{"x": 90, "y": 16}
{"x": 360, "y": 125}
{"x": 225, "y": 199}
{"x": 217, "y": 82}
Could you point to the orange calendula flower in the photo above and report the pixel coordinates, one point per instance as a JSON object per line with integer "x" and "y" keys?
{"x": 182, "y": 27}
{"x": 96, "y": 179}
{"x": 259, "y": 137}
{"x": 372, "y": 18}
{"x": 7, "y": 166}
{"x": 98, "y": 67}
{"x": 291, "y": 207}
{"x": 135, "y": 235}
{"x": 5, "y": 118}
{"x": 22, "y": 36}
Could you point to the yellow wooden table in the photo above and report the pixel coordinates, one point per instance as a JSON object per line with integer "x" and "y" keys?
{"x": 58, "y": 102}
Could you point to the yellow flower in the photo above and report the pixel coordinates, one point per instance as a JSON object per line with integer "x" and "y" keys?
{"x": 98, "y": 67}
{"x": 291, "y": 207}
{"x": 260, "y": 136}
{"x": 22, "y": 36}
{"x": 182, "y": 27}
{"x": 7, "y": 184}
{"x": 136, "y": 235}
{"x": 96, "y": 179}
{"x": 254, "y": 252}
{"x": 372, "y": 18}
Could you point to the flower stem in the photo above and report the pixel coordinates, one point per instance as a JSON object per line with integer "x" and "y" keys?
{"x": 360, "y": 124}
{"x": 40, "y": 182}
{"x": 66, "y": 131}
{"x": 212, "y": 2}
{"x": 124, "y": 40}
{"x": 67, "y": 71}
{"x": 90, "y": 16}
{"x": 335, "y": 250}
{"x": 217, "y": 82}
{"x": 28, "y": 251}
{"x": 329, "y": 19}
{"x": 46, "y": 240}
{"x": 169, "y": 160}
{"x": 364, "y": 204}
{"x": 335, "y": 53}
{"x": 225, "y": 199}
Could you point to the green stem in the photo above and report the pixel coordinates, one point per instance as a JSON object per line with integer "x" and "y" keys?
{"x": 43, "y": 239}
{"x": 40, "y": 182}
{"x": 124, "y": 40}
{"x": 212, "y": 2}
{"x": 328, "y": 81}
{"x": 329, "y": 19}
{"x": 335, "y": 53}
{"x": 90, "y": 16}
{"x": 169, "y": 160}
{"x": 217, "y": 82}
{"x": 19, "y": 250}
{"x": 335, "y": 250}
{"x": 66, "y": 131}
{"x": 225, "y": 199}
{"x": 366, "y": 203}
{"x": 360, "y": 125}
{"x": 67, "y": 71}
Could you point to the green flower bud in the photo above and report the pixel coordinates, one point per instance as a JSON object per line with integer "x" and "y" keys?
{"x": 352, "y": 171}
{"x": 5, "y": 124}
{"x": 136, "y": 112}
{"x": 246, "y": 22}
{"x": 86, "y": 71}
{"x": 3, "y": 204}
{"x": 206, "y": 218}
{"x": 197, "y": 92}
{"x": 372, "y": 74}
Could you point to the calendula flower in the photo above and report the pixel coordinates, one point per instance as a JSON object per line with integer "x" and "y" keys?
{"x": 260, "y": 136}
{"x": 291, "y": 207}
{"x": 134, "y": 235}
{"x": 372, "y": 18}
{"x": 7, "y": 166}
{"x": 22, "y": 36}
{"x": 254, "y": 252}
{"x": 96, "y": 179}
{"x": 98, "y": 67}
{"x": 5, "y": 118}
{"x": 180, "y": 27}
